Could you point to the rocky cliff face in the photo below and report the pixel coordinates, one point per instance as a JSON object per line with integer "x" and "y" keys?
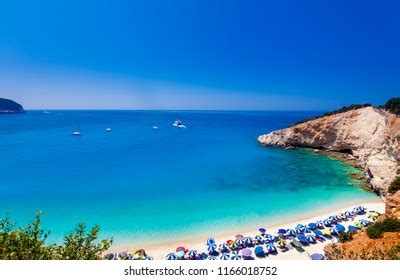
{"x": 371, "y": 135}
{"x": 8, "y": 106}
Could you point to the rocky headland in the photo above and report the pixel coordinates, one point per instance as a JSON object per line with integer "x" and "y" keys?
{"x": 368, "y": 135}
{"x": 8, "y": 106}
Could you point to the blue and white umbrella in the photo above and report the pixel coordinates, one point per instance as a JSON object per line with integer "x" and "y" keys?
{"x": 192, "y": 254}
{"x": 311, "y": 238}
{"x": 307, "y": 230}
{"x": 360, "y": 209}
{"x": 299, "y": 230}
{"x": 223, "y": 247}
{"x": 112, "y": 256}
{"x": 320, "y": 224}
{"x": 171, "y": 257}
{"x": 235, "y": 256}
{"x": 337, "y": 218}
{"x": 224, "y": 256}
{"x": 301, "y": 226}
{"x": 327, "y": 222}
{"x": 268, "y": 241}
{"x": 211, "y": 258}
{"x": 334, "y": 231}
{"x": 248, "y": 241}
{"x": 212, "y": 248}
{"x": 259, "y": 239}
{"x": 267, "y": 235}
{"x": 210, "y": 241}
{"x": 271, "y": 248}
{"x": 148, "y": 258}
{"x": 291, "y": 232}
{"x": 348, "y": 214}
{"x": 364, "y": 223}
{"x": 240, "y": 242}
{"x": 355, "y": 210}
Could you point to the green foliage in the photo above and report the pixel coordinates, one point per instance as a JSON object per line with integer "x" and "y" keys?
{"x": 394, "y": 185}
{"x": 342, "y": 110}
{"x": 79, "y": 245}
{"x": 29, "y": 243}
{"x": 376, "y": 230}
{"x": 345, "y": 236}
{"x": 393, "y": 105}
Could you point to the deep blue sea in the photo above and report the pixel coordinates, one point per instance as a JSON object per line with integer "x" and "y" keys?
{"x": 145, "y": 185}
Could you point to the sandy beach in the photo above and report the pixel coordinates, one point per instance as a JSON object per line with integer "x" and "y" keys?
{"x": 160, "y": 250}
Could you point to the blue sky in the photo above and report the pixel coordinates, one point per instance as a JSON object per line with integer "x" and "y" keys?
{"x": 296, "y": 55}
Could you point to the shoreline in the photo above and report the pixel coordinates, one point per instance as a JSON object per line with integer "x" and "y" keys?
{"x": 159, "y": 250}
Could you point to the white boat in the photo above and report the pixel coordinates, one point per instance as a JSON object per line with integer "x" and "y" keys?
{"x": 76, "y": 133}
{"x": 108, "y": 129}
{"x": 155, "y": 127}
{"x": 46, "y": 112}
{"x": 179, "y": 123}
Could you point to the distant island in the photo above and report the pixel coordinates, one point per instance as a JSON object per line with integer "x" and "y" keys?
{"x": 8, "y": 106}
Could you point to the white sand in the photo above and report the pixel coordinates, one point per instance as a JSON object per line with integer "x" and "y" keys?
{"x": 159, "y": 251}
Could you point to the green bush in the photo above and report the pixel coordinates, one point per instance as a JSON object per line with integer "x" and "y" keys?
{"x": 345, "y": 236}
{"x": 376, "y": 230}
{"x": 393, "y": 105}
{"x": 29, "y": 243}
{"x": 394, "y": 186}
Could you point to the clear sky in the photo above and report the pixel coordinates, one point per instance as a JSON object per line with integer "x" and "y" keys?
{"x": 206, "y": 54}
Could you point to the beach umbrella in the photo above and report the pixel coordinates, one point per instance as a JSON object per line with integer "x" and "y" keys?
{"x": 291, "y": 232}
{"x": 211, "y": 248}
{"x": 211, "y": 258}
{"x": 271, "y": 248}
{"x": 348, "y": 214}
{"x": 224, "y": 256}
{"x": 281, "y": 243}
{"x": 353, "y": 228}
{"x": 317, "y": 257}
{"x": 364, "y": 223}
{"x": 180, "y": 248}
{"x": 282, "y": 231}
{"x": 112, "y": 256}
{"x": 301, "y": 226}
{"x": 320, "y": 224}
{"x": 355, "y": 210}
{"x": 233, "y": 246}
{"x": 246, "y": 253}
{"x": 361, "y": 209}
{"x": 267, "y": 235}
{"x": 240, "y": 242}
{"x": 239, "y": 236}
{"x": 210, "y": 241}
{"x": 223, "y": 247}
{"x": 340, "y": 228}
{"x": 148, "y": 258}
{"x": 299, "y": 230}
{"x": 248, "y": 241}
{"x": 326, "y": 232}
{"x": 337, "y": 218}
{"x": 192, "y": 254}
{"x": 311, "y": 238}
{"x": 235, "y": 256}
{"x": 203, "y": 256}
{"x": 307, "y": 230}
{"x": 262, "y": 230}
{"x": 171, "y": 257}
{"x": 327, "y": 222}
{"x": 302, "y": 238}
{"x": 318, "y": 232}
{"x": 334, "y": 231}
{"x": 312, "y": 225}
{"x": 259, "y": 251}
{"x": 373, "y": 214}
{"x": 259, "y": 239}
{"x": 269, "y": 240}
{"x": 342, "y": 216}
{"x": 180, "y": 255}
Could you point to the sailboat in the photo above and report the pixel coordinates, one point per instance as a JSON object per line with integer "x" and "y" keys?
{"x": 108, "y": 129}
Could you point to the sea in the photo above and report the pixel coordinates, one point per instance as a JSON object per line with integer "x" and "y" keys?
{"x": 143, "y": 185}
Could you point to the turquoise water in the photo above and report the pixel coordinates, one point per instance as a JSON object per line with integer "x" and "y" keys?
{"x": 144, "y": 185}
